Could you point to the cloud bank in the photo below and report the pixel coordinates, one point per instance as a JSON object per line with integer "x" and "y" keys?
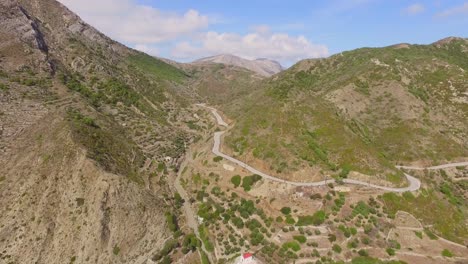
{"x": 129, "y": 22}
{"x": 457, "y": 10}
{"x": 186, "y": 35}
{"x": 414, "y": 9}
{"x": 259, "y": 44}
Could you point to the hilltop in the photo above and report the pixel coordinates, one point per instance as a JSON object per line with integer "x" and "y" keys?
{"x": 362, "y": 111}
{"x": 263, "y": 67}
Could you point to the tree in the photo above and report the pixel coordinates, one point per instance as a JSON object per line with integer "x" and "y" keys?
{"x": 363, "y": 253}
{"x": 286, "y": 210}
{"x": 249, "y": 181}
{"x": 336, "y": 248}
{"x": 301, "y": 239}
{"x": 236, "y": 180}
{"x": 191, "y": 242}
{"x": 171, "y": 222}
{"x": 319, "y": 217}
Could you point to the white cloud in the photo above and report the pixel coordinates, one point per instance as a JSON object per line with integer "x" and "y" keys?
{"x": 185, "y": 35}
{"x": 129, "y": 22}
{"x": 457, "y": 10}
{"x": 414, "y": 9}
{"x": 258, "y": 44}
{"x": 261, "y": 29}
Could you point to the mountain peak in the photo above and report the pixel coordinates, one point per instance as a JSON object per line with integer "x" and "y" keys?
{"x": 262, "y": 66}
{"x": 448, "y": 40}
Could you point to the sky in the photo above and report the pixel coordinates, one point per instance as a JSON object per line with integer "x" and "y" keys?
{"x": 286, "y": 31}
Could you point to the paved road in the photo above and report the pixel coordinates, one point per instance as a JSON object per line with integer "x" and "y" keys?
{"x": 414, "y": 183}
{"x": 218, "y": 117}
{"x": 438, "y": 167}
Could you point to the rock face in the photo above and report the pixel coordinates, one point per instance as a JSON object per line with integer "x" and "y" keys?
{"x": 264, "y": 67}
{"x": 66, "y": 195}
{"x": 58, "y": 206}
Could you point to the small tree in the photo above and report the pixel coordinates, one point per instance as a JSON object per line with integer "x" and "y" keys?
{"x": 336, "y": 248}
{"x": 236, "y": 180}
{"x": 286, "y": 210}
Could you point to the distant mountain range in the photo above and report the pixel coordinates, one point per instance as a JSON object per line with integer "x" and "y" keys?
{"x": 264, "y": 67}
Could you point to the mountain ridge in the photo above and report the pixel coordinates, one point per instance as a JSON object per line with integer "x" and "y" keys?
{"x": 85, "y": 123}
{"x": 95, "y": 136}
{"x": 262, "y": 66}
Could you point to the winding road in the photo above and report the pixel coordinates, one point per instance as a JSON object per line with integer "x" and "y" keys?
{"x": 414, "y": 183}
{"x": 438, "y": 167}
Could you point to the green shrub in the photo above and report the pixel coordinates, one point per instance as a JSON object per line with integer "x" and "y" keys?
{"x": 256, "y": 237}
{"x": 316, "y": 196}
{"x": 290, "y": 220}
{"x": 318, "y": 218}
{"x": 336, "y": 248}
{"x": 369, "y": 260}
{"x": 418, "y": 234}
{"x": 345, "y": 170}
{"x": 353, "y": 243}
{"x": 203, "y": 231}
{"x": 169, "y": 245}
{"x": 446, "y": 218}
{"x": 365, "y": 240}
{"x": 253, "y": 224}
{"x": 429, "y": 233}
{"x": 204, "y": 258}
{"x": 363, "y": 209}
{"x": 179, "y": 202}
{"x": 236, "y": 180}
{"x": 4, "y": 87}
{"x": 363, "y": 253}
{"x": 419, "y": 93}
{"x": 191, "y": 242}
{"x": 217, "y": 159}
{"x": 301, "y": 239}
{"x": 107, "y": 145}
{"x": 157, "y": 68}
{"x": 249, "y": 181}
{"x": 238, "y": 222}
{"x": 390, "y": 251}
{"x": 286, "y": 210}
{"x": 166, "y": 260}
{"x": 246, "y": 208}
{"x": 171, "y": 222}
{"x": 447, "y": 253}
{"x": 116, "y": 250}
{"x": 291, "y": 245}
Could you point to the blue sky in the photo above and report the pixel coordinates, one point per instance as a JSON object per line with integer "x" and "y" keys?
{"x": 283, "y": 30}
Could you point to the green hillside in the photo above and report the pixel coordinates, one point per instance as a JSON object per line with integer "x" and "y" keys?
{"x": 364, "y": 110}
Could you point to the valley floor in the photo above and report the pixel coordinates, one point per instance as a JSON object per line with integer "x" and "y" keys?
{"x": 224, "y": 241}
